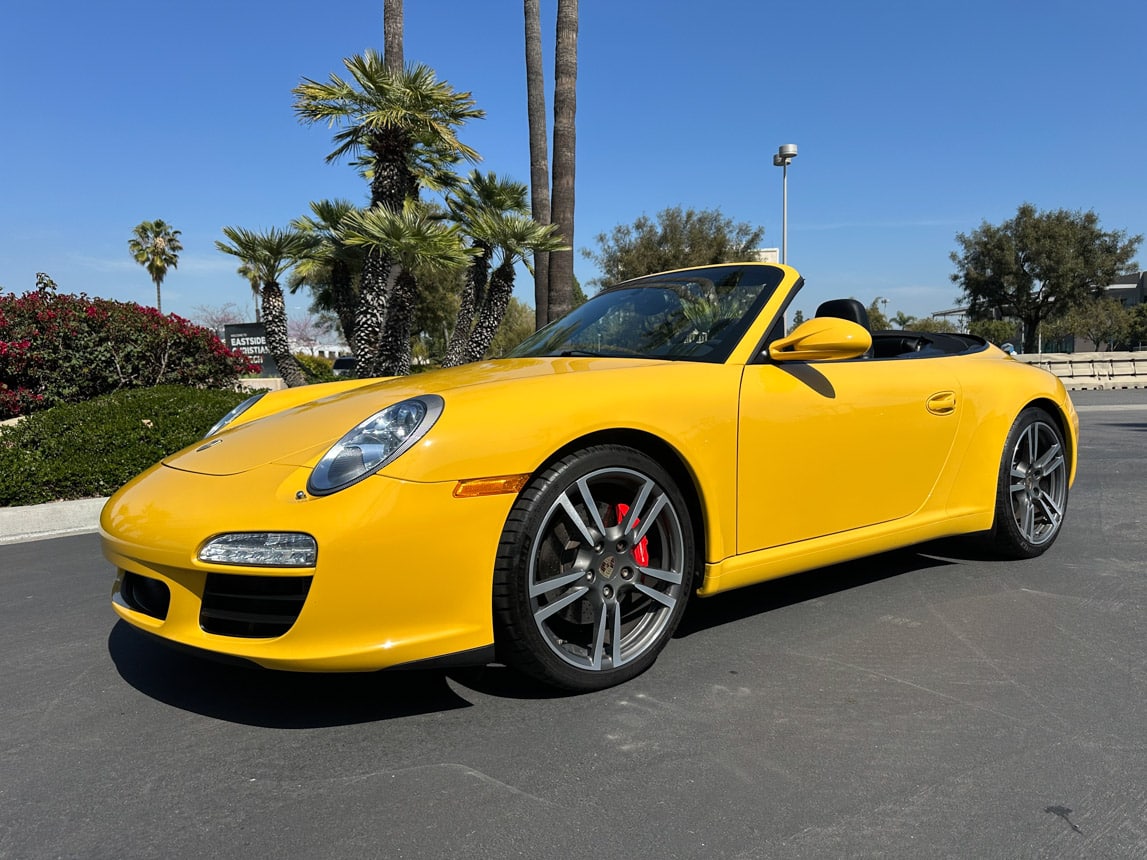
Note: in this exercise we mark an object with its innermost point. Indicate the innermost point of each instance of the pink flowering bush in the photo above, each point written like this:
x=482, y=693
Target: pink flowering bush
x=60, y=348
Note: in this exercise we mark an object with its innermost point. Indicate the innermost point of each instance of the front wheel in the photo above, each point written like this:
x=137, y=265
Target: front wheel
x=1031, y=495
x=594, y=569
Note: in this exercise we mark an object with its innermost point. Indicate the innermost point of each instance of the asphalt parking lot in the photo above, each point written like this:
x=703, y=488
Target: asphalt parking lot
x=931, y=702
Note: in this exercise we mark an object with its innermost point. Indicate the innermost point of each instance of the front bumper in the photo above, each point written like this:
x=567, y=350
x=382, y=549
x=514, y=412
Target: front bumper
x=403, y=573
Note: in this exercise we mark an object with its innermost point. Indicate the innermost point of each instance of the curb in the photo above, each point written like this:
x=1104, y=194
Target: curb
x=51, y=520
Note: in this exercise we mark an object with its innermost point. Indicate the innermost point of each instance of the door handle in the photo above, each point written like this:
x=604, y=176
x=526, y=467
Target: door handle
x=943, y=403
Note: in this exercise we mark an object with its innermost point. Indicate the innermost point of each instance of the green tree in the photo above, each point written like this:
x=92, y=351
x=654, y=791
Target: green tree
x=903, y=320
x=332, y=268
x=1038, y=265
x=512, y=238
x=675, y=239
x=483, y=194
x=493, y=212
x=877, y=321
x=268, y=256
x=1103, y=320
x=401, y=127
x=798, y=318
x=156, y=246
x=415, y=240
x=1136, y=335
x=998, y=332
x=517, y=325
x=252, y=278
x=435, y=314
x=934, y=324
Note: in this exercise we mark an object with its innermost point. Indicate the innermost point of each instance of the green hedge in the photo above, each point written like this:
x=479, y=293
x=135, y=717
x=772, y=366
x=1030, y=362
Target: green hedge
x=83, y=450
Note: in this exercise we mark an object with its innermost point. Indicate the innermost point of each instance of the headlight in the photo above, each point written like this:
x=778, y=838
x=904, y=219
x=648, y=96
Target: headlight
x=261, y=549
x=234, y=413
x=378, y=440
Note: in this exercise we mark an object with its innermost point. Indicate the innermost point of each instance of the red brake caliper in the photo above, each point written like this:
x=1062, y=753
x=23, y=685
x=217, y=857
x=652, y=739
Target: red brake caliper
x=641, y=551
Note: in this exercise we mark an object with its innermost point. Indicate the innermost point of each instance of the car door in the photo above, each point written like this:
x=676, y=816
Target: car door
x=825, y=447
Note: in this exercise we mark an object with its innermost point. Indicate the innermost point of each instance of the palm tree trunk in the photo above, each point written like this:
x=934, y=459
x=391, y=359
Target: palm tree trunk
x=370, y=313
x=394, y=348
x=390, y=185
x=473, y=291
x=392, y=31
x=491, y=312
x=393, y=180
x=539, y=153
x=343, y=299
x=278, y=346
x=562, y=202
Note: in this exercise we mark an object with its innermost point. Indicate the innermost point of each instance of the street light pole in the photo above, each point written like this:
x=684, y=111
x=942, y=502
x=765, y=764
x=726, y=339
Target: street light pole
x=784, y=156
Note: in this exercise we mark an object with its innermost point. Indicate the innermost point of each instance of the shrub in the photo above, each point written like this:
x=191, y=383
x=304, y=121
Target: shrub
x=316, y=369
x=59, y=348
x=82, y=450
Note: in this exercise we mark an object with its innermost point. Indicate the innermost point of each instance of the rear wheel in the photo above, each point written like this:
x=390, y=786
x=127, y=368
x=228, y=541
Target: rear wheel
x=1031, y=496
x=594, y=569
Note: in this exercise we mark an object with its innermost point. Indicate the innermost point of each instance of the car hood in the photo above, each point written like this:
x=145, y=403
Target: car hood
x=301, y=434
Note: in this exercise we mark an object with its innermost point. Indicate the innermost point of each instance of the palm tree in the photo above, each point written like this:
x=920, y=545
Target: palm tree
x=482, y=193
x=479, y=208
x=539, y=152
x=562, y=201
x=332, y=268
x=268, y=256
x=414, y=239
x=156, y=247
x=252, y=277
x=512, y=237
x=389, y=116
x=399, y=126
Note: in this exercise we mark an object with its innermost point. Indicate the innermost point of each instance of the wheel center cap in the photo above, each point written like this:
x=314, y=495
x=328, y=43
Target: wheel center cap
x=607, y=566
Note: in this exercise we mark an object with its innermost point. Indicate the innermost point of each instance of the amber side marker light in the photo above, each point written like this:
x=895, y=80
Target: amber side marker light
x=490, y=486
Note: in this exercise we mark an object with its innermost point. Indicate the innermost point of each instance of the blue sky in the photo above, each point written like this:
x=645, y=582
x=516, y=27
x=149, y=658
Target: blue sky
x=915, y=121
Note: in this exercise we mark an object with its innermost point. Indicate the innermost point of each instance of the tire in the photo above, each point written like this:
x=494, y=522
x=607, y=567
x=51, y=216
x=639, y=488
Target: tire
x=1031, y=493
x=594, y=569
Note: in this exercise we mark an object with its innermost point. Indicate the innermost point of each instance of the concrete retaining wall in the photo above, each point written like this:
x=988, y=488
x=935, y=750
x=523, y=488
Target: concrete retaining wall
x=1083, y=370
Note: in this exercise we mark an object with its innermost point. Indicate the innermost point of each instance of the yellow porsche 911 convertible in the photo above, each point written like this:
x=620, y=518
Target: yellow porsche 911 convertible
x=555, y=510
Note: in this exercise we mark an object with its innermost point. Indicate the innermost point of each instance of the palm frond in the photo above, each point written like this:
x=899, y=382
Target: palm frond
x=412, y=236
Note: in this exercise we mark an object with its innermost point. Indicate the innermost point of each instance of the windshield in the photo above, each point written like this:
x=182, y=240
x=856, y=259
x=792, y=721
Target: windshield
x=693, y=315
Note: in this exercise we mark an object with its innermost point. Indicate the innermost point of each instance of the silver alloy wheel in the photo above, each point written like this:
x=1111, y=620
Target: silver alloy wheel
x=1038, y=483
x=606, y=569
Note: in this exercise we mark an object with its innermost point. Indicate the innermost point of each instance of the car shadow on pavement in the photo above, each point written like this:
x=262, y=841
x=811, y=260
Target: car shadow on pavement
x=271, y=699
x=704, y=614
x=250, y=695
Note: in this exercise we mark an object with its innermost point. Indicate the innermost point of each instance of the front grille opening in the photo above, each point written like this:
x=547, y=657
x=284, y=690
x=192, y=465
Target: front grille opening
x=252, y=607
x=146, y=595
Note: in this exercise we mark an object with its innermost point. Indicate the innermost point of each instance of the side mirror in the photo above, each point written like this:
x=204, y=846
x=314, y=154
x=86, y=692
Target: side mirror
x=822, y=339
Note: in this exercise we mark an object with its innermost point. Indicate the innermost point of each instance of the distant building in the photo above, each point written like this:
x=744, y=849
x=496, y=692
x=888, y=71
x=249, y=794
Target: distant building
x=765, y=255
x=1130, y=290
x=319, y=350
